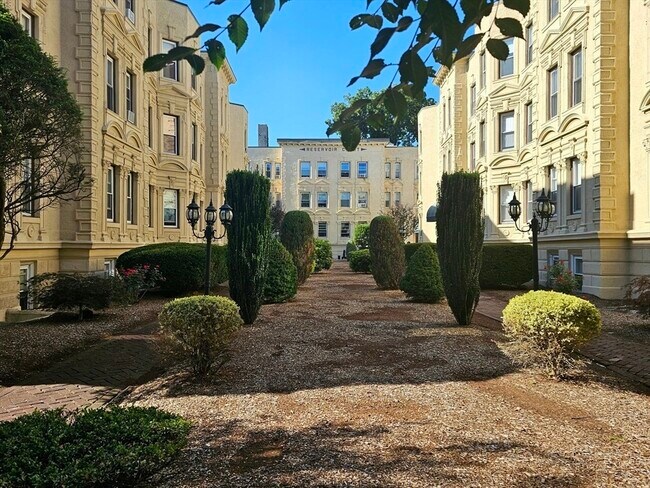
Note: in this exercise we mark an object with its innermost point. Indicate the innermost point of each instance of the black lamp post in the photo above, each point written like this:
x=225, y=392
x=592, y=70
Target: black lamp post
x=545, y=209
x=225, y=216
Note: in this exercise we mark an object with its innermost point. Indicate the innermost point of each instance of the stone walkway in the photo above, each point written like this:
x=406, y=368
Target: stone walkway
x=627, y=358
x=90, y=378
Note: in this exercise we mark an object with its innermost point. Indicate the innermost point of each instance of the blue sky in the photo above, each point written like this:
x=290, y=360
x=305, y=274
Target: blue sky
x=289, y=75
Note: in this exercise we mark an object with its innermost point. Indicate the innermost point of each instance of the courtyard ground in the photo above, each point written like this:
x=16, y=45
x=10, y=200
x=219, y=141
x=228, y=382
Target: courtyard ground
x=352, y=386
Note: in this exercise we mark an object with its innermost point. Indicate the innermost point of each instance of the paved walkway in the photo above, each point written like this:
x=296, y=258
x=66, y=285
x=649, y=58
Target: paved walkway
x=90, y=378
x=627, y=358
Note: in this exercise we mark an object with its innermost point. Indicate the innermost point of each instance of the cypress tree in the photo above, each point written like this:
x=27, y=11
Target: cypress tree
x=460, y=241
x=249, y=238
x=297, y=236
x=387, y=260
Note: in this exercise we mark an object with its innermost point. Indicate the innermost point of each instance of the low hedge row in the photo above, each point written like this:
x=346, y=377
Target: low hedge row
x=504, y=265
x=181, y=264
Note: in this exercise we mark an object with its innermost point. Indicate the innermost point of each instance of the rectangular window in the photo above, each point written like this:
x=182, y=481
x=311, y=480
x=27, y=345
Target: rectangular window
x=552, y=92
x=111, y=99
x=529, y=44
x=529, y=122
x=26, y=274
x=529, y=200
x=193, y=79
x=387, y=199
x=576, y=268
x=398, y=170
x=387, y=170
x=472, y=100
x=444, y=115
x=506, y=193
x=150, y=126
x=483, y=70
x=345, y=229
x=28, y=187
x=576, y=186
x=278, y=172
x=267, y=170
x=472, y=156
x=130, y=97
x=149, y=45
x=398, y=198
x=345, y=199
x=170, y=208
x=321, y=196
x=507, y=66
x=552, y=258
x=362, y=169
x=305, y=169
x=110, y=194
x=305, y=200
x=152, y=204
x=507, y=130
x=345, y=169
x=171, y=70
x=130, y=195
x=28, y=22
x=170, y=134
x=576, y=77
x=362, y=199
x=109, y=267
x=322, y=229
x=195, y=137
x=552, y=184
x=481, y=140
x=553, y=9
x=129, y=6
x=322, y=169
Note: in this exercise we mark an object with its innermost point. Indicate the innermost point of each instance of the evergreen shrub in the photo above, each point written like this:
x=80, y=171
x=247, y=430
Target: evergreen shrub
x=322, y=255
x=281, y=277
x=386, y=253
x=360, y=261
x=422, y=281
x=410, y=249
x=550, y=326
x=361, y=236
x=200, y=328
x=349, y=248
x=506, y=266
x=297, y=236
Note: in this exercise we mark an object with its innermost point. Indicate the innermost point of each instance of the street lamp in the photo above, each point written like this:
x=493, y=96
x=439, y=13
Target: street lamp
x=544, y=209
x=225, y=216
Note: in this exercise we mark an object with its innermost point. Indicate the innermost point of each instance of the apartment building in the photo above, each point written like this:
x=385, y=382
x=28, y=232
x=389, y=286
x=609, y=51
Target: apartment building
x=152, y=141
x=339, y=189
x=567, y=112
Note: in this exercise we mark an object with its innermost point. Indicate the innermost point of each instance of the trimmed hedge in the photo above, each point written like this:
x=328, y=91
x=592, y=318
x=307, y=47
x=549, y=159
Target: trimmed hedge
x=350, y=247
x=423, y=281
x=360, y=261
x=118, y=446
x=181, y=264
x=411, y=248
x=323, y=255
x=386, y=253
x=361, y=236
x=281, y=282
x=297, y=236
x=506, y=266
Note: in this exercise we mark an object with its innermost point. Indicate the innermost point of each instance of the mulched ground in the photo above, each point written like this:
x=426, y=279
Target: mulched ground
x=352, y=386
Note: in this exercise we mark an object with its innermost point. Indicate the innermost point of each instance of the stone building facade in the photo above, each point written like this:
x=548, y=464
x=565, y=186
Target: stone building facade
x=151, y=141
x=568, y=113
x=339, y=189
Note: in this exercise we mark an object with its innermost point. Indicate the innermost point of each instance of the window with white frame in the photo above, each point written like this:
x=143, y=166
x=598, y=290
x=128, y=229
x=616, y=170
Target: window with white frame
x=552, y=184
x=305, y=169
x=345, y=199
x=278, y=171
x=576, y=186
x=170, y=134
x=322, y=229
x=322, y=169
x=170, y=208
x=28, y=187
x=171, y=70
x=29, y=23
x=552, y=258
x=345, y=169
x=362, y=199
x=387, y=170
x=109, y=267
x=111, y=96
x=472, y=155
x=398, y=170
x=110, y=193
x=152, y=204
x=130, y=97
x=26, y=274
x=398, y=197
x=387, y=199
x=305, y=200
x=506, y=192
x=130, y=195
x=195, y=141
x=576, y=77
x=507, y=130
x=529, y=199
x=529, y=43
x=345, y=229
x=576, y=268
x=472, y=99
x=507, y=66
x=362, y=169
x=129, y=6
x=552, y=92
x=481, y=139
x=553, y=9
x=529, y=121
x=321, y=198
x=267, y=169
x=483, y=75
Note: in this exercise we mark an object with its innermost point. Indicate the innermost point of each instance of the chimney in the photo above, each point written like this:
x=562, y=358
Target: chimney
x=262, y=135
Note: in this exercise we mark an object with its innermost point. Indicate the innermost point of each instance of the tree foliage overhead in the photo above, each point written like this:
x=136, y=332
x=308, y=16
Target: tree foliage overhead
x=377, y=121
x=440, y=35
x=40, y=130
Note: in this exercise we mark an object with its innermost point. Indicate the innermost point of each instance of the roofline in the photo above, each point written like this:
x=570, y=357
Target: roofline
x=334, y=140
x=239, y=105
x=264, y=147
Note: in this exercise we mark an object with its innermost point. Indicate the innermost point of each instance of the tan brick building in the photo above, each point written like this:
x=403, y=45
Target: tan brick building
x=151, y=140
x=568, y=112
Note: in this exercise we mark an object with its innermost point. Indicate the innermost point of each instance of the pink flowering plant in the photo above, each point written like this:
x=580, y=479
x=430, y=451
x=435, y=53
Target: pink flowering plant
x=561, y=279
x=139, y=280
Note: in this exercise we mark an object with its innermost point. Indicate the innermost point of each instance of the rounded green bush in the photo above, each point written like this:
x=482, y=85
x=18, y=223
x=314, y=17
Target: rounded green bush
x=181, y=264
x=552, y=325
x=423, y=281
x=410, y=248
x=322, y=255
x=350, y=247
x=297, y=236
x=361, y=236
x=200, y=328
x=360, y=261
x=387, y=260
x=281, y=282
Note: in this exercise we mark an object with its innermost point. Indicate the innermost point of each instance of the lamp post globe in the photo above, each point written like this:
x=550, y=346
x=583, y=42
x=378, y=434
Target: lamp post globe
x=210, y=214
x=225, y=214
x=193, y=213
x=514, y=208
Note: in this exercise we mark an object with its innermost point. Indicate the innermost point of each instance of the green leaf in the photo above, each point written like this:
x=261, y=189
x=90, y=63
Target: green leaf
x=282, y=2
x=404, y=23
x=340, y=125
x=180, y=52
x=237, y=30
x=510, y=27
x=262, y=10
x=373, y=68
x=413, y=70
x=380, y=42
x=390, y=11
x=196, y=62
x=468, y=45
x=521, y=6
x=395, y=102
x=354, y=108
x=498, y=49
x=375, y=120
x=470, y=8
x=216, y=52
x=375, y=21
x=155, y=62
x=204, y=28
x=351, y=137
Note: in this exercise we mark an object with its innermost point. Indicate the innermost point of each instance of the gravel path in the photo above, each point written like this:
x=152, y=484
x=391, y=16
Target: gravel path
x=352, y=386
